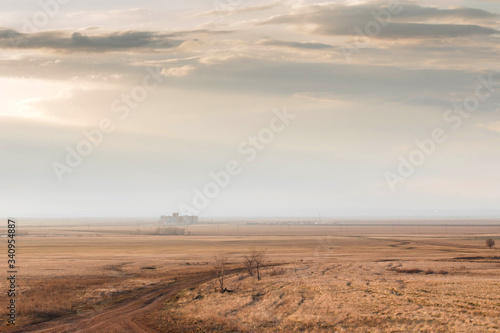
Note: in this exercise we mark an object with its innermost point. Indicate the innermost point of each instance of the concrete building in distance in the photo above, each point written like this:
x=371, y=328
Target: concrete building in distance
x=176, y=219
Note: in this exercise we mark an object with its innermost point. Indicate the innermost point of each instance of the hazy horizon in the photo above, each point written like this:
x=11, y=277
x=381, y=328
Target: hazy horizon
x=392, y=215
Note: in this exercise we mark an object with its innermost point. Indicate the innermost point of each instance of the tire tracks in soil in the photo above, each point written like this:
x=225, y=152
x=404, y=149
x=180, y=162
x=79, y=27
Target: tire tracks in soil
x=123, y=316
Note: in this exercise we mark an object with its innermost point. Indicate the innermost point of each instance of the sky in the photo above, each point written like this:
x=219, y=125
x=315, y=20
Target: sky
x=249, y=108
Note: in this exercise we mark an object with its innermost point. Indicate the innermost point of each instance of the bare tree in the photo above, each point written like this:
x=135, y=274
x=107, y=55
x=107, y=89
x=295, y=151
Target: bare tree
x=248, y=261
x=259, y=259
x=220, y=268
x=490, y=243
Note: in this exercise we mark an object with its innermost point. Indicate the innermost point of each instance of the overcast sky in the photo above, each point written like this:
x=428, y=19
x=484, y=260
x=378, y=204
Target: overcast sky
x=223, y=70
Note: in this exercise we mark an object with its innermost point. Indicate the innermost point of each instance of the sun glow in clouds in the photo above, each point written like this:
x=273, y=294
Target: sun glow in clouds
x=221, y=69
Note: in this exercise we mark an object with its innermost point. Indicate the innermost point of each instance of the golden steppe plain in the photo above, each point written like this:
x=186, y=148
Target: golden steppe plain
x=343, y=277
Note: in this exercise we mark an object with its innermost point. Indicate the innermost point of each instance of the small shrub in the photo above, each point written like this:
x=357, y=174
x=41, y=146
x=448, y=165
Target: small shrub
x=277, y=271
x=405, y=270
x=490, y=243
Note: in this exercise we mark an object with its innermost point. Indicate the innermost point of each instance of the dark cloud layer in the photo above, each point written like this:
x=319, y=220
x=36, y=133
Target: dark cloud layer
x=413, y=11
x=296, y=45
x=411, y=21
x=344, y=81
x=62, y=41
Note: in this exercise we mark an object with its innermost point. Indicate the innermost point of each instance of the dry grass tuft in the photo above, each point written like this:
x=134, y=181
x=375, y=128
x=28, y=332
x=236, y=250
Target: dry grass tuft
x=277, y=270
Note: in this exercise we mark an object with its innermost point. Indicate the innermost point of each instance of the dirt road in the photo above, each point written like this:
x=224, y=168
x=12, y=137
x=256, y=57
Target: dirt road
x=124, y=316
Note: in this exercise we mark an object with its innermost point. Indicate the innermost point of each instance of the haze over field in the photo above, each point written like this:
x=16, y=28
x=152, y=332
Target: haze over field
x=185, y=86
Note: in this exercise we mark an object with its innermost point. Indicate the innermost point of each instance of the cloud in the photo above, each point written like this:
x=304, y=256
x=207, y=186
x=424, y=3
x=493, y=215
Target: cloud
x=415, y=12
x=182, y=33
x=178, y=71
x=236, y=8
x=419, y=30
x=9, y=33
x=413, y=21
x=62, y=41
x=338, y=81
x=295, y=45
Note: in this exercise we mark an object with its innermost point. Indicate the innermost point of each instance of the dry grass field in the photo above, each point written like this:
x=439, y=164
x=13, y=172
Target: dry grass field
x=319, y=279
